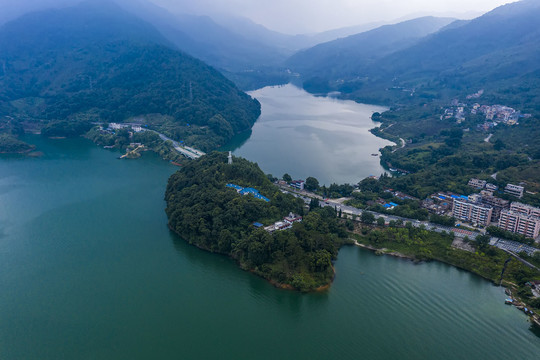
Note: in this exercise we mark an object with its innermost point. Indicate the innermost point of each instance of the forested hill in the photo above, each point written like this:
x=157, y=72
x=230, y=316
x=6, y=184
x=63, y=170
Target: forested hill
x=216, y=218
x=498, y=52
x=96, y=62
x=345, y=57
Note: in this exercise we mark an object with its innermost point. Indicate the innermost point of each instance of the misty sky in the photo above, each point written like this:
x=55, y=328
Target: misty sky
x=299, y=16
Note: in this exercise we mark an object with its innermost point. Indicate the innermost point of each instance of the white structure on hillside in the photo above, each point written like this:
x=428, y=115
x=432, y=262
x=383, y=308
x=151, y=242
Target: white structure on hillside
x=230, y=157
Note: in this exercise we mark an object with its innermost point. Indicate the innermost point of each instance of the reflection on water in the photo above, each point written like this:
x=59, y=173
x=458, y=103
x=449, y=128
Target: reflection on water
x=237, y=141
x=305, y=135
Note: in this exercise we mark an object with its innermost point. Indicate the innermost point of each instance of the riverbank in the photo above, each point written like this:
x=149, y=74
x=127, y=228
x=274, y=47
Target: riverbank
x=487, y=262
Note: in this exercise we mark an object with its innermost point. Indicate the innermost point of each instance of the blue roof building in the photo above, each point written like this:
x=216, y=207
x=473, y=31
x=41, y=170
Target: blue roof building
x=233, y=186
x=246, y=191
x=249, y=191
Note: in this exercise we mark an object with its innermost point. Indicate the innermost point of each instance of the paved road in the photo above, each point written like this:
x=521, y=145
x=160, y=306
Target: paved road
x=506, y=245
x=184, y=150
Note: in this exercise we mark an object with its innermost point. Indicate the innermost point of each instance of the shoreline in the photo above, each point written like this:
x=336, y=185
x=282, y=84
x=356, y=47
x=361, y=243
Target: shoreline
x=273, y=282
x=510, y=290
x=385, y=251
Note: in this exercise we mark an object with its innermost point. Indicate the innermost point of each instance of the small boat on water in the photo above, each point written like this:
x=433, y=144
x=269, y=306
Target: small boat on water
x=374, y=154
x=509, y=301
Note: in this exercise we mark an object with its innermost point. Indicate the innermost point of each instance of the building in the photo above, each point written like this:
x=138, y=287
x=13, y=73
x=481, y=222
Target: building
x=475, y=183
x=516, y=222
x=525, y=209
x=514, y=190
x=285, y=224
x=248, y=191
x=473, y=212
x=496, y=203
x=298, y=184
x=492, y=187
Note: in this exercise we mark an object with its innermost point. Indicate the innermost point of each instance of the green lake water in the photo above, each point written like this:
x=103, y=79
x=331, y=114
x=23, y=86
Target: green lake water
x=304, y=135
x=89, y=270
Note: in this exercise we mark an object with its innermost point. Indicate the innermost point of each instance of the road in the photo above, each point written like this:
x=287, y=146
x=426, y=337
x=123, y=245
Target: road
x=511, y=247
x=184, y=150
x=402, y=145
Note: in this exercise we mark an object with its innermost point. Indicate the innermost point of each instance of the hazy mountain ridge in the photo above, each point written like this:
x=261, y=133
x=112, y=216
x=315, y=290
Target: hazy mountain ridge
x=498, y=51
x=343, y=57
x=99, y=62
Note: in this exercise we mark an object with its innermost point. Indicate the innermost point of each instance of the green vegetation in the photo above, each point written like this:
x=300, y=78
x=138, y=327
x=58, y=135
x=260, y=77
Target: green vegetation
x=442, y=155
x=373, y=194
x=399, y=64
x=9, y=144
x=103, y=72
x=501, y=233
x=421, y=244
x=213, y=217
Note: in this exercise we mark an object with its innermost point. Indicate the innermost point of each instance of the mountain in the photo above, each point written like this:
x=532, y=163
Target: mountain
x=346, y=57
x=95, y=61
x=498, y=52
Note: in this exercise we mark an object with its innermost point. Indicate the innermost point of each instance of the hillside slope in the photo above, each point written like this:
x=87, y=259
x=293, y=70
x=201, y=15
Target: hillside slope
x=348, y=56
x=96, y=62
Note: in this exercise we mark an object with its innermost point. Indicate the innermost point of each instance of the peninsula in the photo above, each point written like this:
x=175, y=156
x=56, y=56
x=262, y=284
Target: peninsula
x=229, y=206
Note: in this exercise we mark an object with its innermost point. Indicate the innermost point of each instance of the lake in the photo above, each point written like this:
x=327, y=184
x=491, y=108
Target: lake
x=304, y=135
x=89, y=270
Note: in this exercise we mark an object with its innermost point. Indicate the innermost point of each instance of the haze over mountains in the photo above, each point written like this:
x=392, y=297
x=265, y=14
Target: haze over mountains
x=115, y=58
x=96, y=62
x=498, y=51
x=343, y=57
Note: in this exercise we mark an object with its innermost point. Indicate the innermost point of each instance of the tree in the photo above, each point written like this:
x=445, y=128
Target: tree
x=380, y=221
x=482, y=241
x=367, y=217
x=312, y=184
x=287, y=177
x=314, y=204
x=499, y=145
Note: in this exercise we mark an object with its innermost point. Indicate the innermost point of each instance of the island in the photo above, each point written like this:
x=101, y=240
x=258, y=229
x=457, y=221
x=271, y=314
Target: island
x=229, y=206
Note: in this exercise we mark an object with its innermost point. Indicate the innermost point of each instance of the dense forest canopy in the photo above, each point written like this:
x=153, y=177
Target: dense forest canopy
x=214, y=217
x=96, y=62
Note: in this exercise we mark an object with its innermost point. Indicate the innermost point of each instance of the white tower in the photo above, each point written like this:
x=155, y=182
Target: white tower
x=230, y=157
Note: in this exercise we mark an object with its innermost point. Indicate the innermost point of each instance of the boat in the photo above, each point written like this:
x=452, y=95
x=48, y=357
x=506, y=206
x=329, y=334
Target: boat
x=374, y=154
x=509, y=301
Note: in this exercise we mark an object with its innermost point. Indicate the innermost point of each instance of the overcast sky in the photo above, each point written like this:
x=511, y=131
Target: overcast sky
x=299, y=16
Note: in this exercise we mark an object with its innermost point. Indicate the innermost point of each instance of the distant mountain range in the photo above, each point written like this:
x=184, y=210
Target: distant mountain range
x=344, y=57
x=498, y=52
x=95, y=61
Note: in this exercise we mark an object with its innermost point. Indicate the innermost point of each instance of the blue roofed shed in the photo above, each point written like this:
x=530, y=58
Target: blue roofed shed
x=233, y=186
